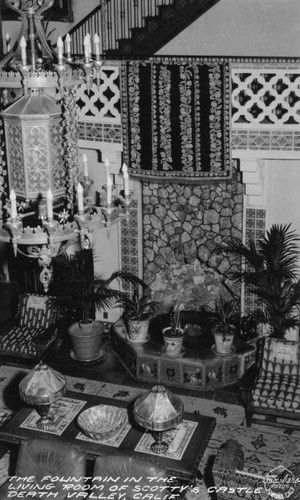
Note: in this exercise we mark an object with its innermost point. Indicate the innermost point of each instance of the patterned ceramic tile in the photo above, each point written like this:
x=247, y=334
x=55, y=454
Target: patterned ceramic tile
x=82, y=385
x=129, y=243
x=265, y=140
x=192, y=375
x=116, y=391
x=255, y=229
x=213, y=375
x=147, y=368
x=170, y=371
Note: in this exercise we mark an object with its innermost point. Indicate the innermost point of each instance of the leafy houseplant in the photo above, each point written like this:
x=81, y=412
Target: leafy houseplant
x=223, y=321
x=138, y=309
x=83, y=292
x=270, y=272
x=173, y=334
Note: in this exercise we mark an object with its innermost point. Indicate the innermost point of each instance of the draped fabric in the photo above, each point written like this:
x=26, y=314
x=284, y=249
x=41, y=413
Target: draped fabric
x=176, y=118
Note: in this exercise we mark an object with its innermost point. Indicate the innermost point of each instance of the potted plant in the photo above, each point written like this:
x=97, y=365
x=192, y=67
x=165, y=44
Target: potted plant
x=270, y=271
x=223, y=321
x=173, y=335
x=83, y=292
x=138, y=309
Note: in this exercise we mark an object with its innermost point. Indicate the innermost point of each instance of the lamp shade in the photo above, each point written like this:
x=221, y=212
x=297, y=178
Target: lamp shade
x=158, y=409
x=42, y=385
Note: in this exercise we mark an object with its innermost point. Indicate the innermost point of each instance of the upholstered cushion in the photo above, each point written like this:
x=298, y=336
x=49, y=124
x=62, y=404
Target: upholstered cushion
x=121, y=467
x=31, y=342
x=42, y=458
x=278, y=384
x=37, y=311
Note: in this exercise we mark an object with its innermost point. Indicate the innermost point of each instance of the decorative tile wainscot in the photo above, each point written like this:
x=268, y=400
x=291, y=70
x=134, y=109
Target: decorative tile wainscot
x=202, y=370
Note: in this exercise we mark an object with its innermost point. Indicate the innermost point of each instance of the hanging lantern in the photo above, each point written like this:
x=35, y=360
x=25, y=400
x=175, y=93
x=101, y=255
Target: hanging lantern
x=33, y=133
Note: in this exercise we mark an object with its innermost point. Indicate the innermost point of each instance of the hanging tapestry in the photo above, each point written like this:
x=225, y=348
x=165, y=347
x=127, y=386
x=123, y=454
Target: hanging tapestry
x=176, y=118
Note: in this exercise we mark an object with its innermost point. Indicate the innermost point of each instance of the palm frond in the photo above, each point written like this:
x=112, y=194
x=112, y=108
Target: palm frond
x=270, y=269
x=88, y=292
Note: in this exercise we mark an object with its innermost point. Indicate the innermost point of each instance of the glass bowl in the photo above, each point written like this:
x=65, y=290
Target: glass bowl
x=102, y=421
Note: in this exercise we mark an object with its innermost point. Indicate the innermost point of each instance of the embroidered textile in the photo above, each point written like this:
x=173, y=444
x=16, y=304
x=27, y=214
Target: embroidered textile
x=176, y=118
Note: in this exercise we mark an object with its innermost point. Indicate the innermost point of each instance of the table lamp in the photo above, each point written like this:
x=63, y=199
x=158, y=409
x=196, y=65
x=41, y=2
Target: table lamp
x=41, y=387
x=158, y=410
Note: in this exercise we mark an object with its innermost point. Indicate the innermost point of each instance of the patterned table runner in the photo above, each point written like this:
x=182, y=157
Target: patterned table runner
x=63, y=411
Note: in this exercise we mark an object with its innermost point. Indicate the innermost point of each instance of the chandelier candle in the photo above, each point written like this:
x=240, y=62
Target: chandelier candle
x=23, y=46
x=80, y=199
x=68, y=46
x=60, y=51
x=50, y=206
x=97, y=47
x=109, y=184
x=87, y=47
x=107, y=171
x=85, y=167
x=13, y=205
x=126, y=180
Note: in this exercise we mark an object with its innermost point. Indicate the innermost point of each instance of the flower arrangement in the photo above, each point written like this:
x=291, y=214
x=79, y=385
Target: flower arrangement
x=191, y=286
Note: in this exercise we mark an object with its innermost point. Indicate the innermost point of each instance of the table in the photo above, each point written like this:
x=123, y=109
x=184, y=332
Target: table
x=187, y=442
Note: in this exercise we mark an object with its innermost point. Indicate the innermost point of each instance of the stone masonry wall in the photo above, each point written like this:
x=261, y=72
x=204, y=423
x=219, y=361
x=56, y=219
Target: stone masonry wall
x=185, y=222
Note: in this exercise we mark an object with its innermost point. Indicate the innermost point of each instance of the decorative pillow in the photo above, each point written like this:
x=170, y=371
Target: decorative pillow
x=30, y=342
x=280, y=352
x=37, y=311
x=277, y=384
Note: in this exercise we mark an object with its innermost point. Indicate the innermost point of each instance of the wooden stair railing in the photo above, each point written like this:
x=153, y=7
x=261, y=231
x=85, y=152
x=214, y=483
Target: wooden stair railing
x=134, y=28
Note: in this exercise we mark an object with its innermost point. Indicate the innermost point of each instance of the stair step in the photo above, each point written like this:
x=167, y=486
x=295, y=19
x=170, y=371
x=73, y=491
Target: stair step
x=156, y=30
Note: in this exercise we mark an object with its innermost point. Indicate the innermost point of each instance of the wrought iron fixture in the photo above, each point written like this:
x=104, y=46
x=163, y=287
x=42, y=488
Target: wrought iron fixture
x=45, y=199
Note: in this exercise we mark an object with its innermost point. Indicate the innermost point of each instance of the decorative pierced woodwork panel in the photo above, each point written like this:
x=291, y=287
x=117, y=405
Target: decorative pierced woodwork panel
x=100, y=103
x=265, y=107
x=13, y=136
x=102, y=132
x=36, y=157
x=265, y=140
x=266, y=96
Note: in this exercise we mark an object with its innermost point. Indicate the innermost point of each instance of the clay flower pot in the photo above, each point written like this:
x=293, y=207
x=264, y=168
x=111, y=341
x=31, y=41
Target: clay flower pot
x=86, y=340
x=172, y=342
x=138, y=330
x=223, y=342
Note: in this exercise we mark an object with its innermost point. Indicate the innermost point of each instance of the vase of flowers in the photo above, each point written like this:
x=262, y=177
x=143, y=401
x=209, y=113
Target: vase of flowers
x=173, y=336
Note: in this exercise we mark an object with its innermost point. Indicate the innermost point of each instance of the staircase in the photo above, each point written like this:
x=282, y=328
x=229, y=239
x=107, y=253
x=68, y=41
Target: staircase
x=136, y=28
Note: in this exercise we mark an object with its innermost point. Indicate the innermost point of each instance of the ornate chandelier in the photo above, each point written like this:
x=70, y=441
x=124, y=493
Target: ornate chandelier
x=45, y=203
